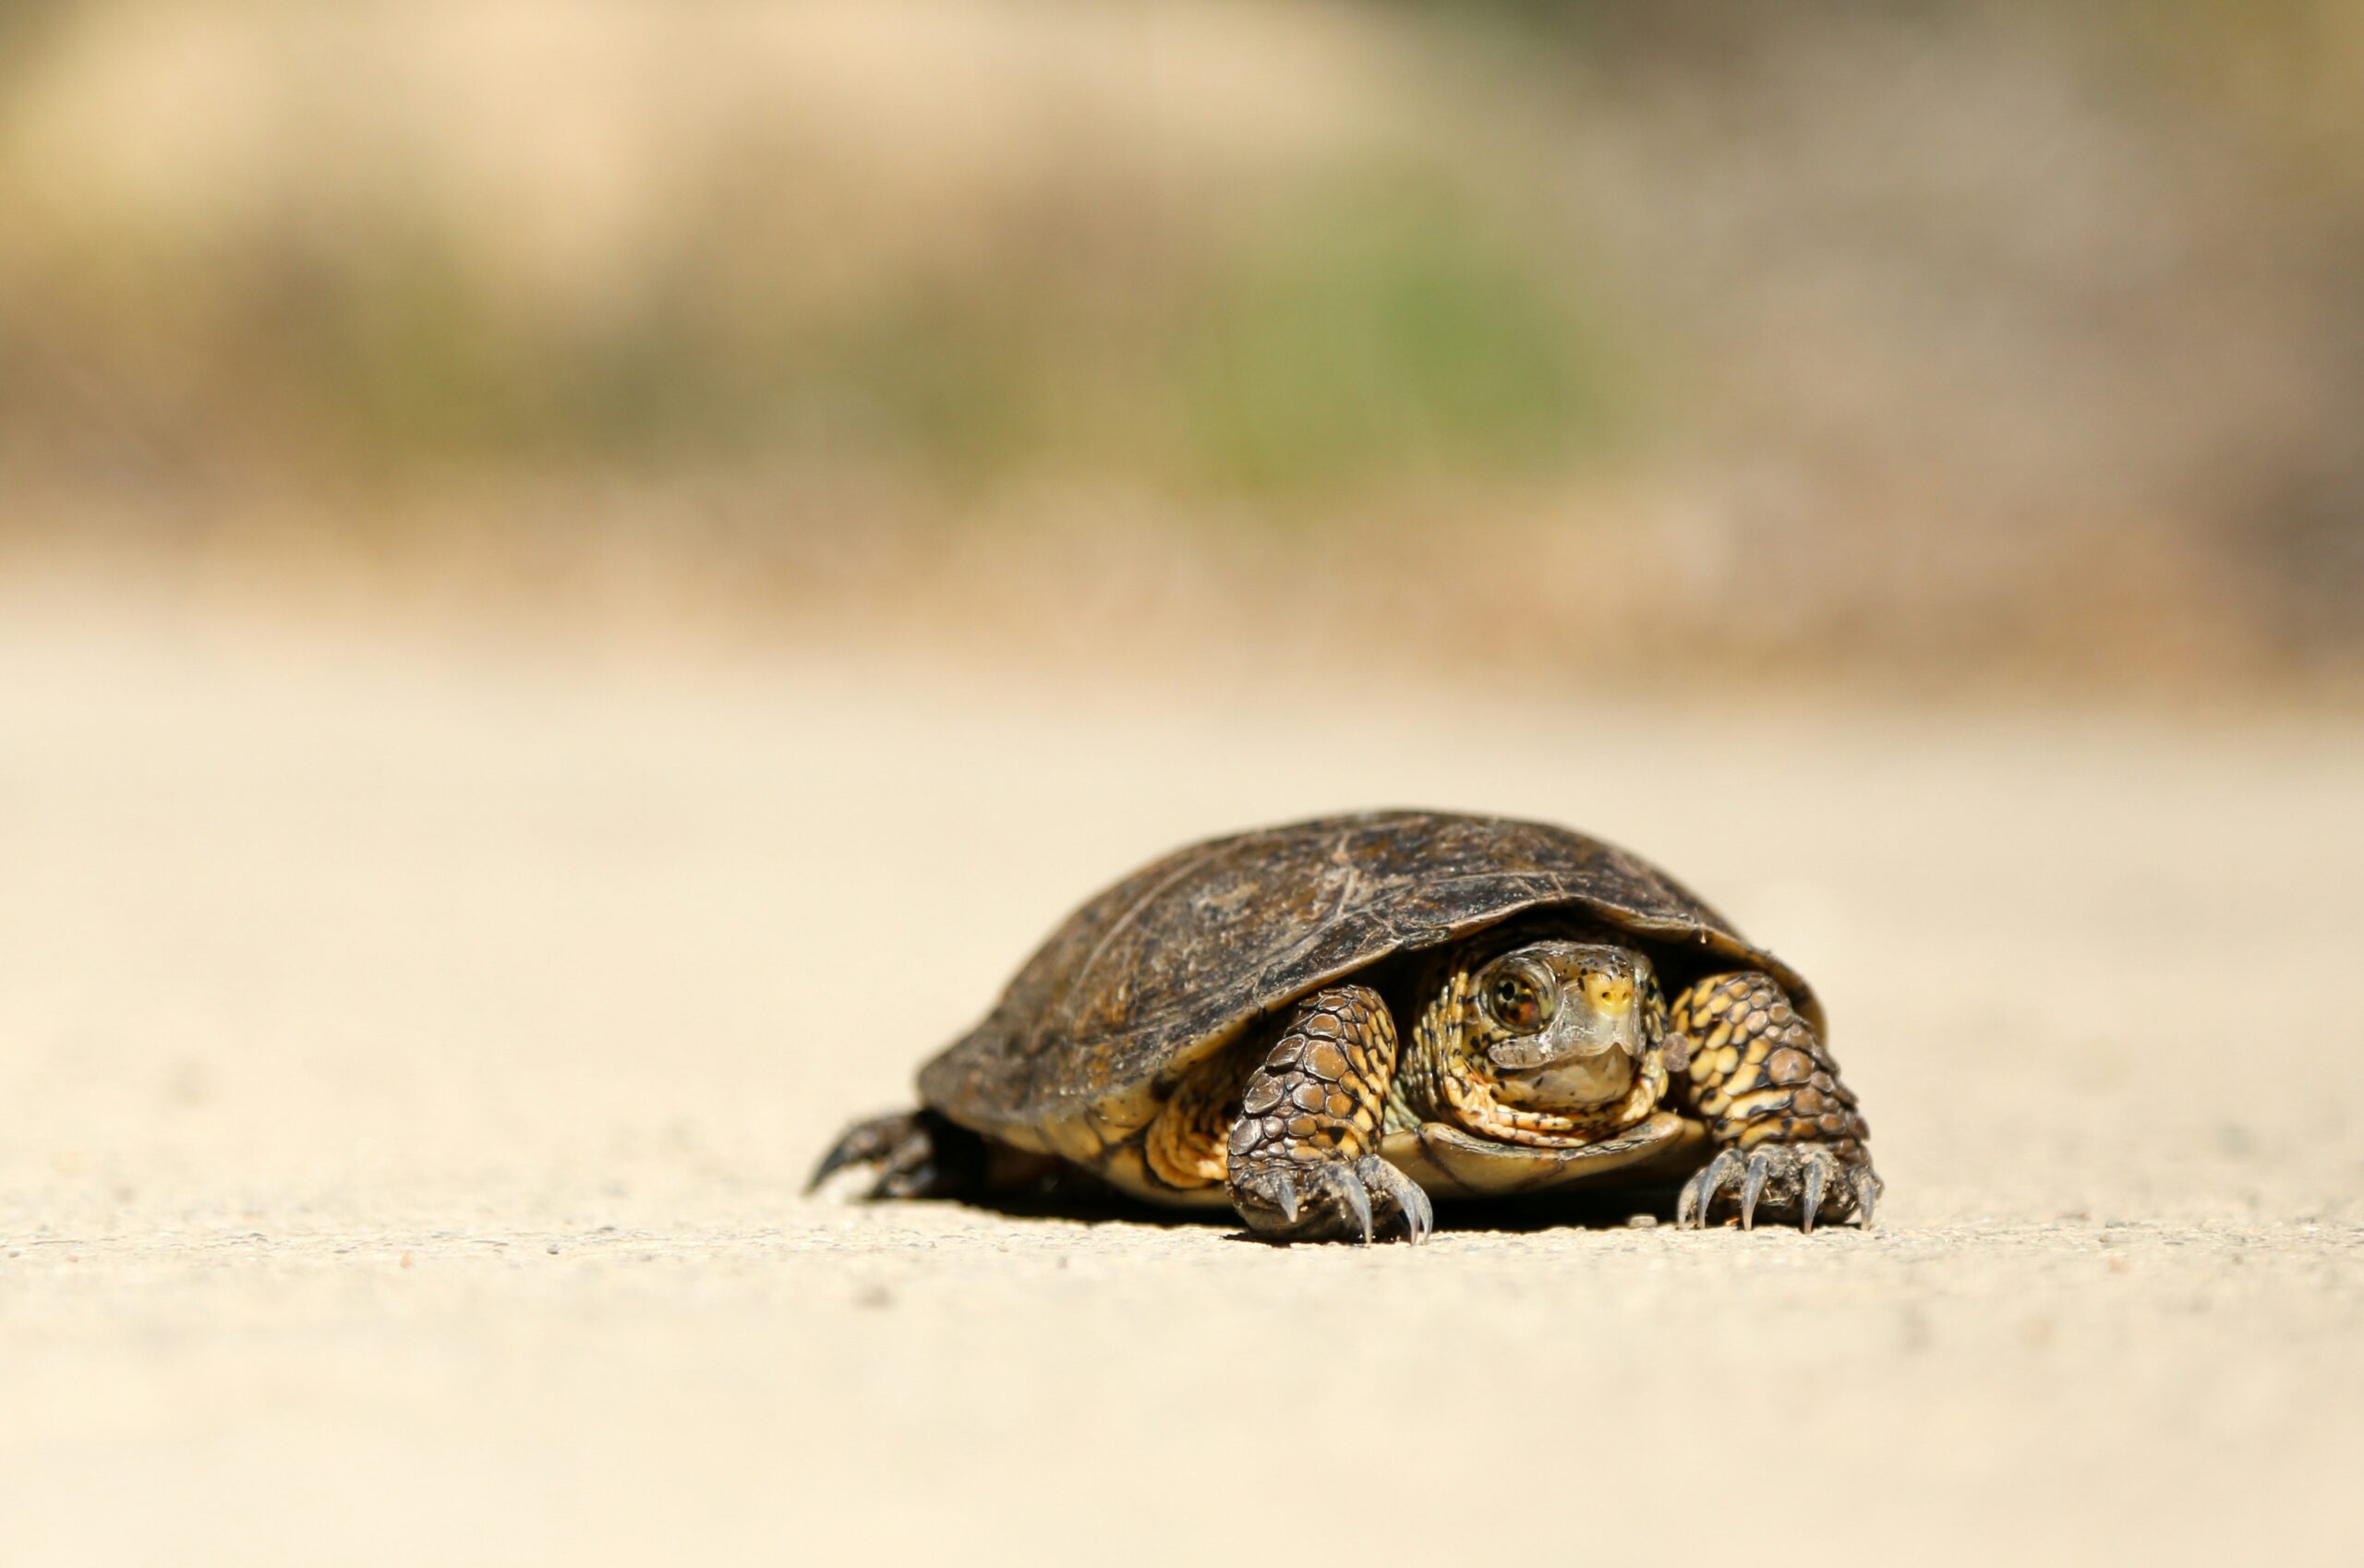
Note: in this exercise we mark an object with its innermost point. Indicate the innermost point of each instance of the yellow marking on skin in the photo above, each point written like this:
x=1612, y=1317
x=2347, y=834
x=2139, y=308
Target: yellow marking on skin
x=1178, y=1159
x=1727, y=1060
x=1548, y=1129
x=1755, y=1132
x=1188, y=1144
x=1723, y=1032
x=1609, y=992
x=1762, y=1101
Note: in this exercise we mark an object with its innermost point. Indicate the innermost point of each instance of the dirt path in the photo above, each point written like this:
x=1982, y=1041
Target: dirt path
x=408, y=1061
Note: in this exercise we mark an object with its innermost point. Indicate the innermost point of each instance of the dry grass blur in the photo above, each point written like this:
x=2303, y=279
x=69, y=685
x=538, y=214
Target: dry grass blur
x=1850, y=341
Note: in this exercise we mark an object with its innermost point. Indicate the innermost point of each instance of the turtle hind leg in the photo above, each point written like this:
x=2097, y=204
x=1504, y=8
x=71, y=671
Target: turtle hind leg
x=1303, y=1165
x=915, y=1153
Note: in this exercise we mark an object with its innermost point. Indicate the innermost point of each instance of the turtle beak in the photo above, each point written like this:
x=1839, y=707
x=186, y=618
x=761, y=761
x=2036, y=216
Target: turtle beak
x=1606, y=1021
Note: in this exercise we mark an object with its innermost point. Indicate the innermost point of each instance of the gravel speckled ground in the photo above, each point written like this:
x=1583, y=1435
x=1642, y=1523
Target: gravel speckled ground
x=409, y=1059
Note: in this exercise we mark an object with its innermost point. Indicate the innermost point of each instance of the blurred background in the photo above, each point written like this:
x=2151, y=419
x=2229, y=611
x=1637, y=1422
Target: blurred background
x=581, y=580
x=2007, y=344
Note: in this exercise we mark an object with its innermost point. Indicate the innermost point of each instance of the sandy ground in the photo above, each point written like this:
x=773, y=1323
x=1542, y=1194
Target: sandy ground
x=411, y=1049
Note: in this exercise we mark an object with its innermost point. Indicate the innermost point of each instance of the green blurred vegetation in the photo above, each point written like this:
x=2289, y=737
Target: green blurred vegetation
x=1388, y=333
x=1388, y=326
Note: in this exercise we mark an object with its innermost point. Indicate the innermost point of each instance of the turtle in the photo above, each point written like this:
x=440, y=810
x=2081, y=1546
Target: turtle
x=1321, y=1025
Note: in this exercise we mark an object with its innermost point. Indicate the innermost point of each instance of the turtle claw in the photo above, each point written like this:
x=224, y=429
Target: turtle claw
x=1809, y=1181
x=1752, y=1188
x=1699, y=1192
x=1268, y=1201
x=1333, y=1201
x=1401, y=1194
x=908, y=1150
x=1868, y=1187
x=1348, y=1191
x=887, y=1142
x=1286, y=1198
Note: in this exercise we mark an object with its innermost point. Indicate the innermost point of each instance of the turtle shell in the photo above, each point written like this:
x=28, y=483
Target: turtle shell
x=1171, y=964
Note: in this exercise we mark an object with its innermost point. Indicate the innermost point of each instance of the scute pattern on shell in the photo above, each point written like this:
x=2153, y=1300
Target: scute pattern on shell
x=1169, y=964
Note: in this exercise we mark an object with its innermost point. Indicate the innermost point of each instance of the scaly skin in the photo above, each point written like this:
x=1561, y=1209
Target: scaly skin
x=1789, y=1136
x=1302, y=1160
x=1185, y=1148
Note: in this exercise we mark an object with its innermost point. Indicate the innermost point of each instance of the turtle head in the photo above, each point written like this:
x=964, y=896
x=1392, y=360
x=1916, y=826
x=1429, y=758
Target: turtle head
x=1564, y=1024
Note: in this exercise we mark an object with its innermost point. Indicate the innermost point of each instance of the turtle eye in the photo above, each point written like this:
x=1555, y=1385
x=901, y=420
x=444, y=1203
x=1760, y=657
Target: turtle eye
x=1519, y=995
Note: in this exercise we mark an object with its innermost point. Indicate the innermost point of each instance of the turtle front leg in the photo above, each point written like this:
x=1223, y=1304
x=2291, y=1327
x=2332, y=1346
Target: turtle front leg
x=1303, y=1163
x=1790, y=1141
